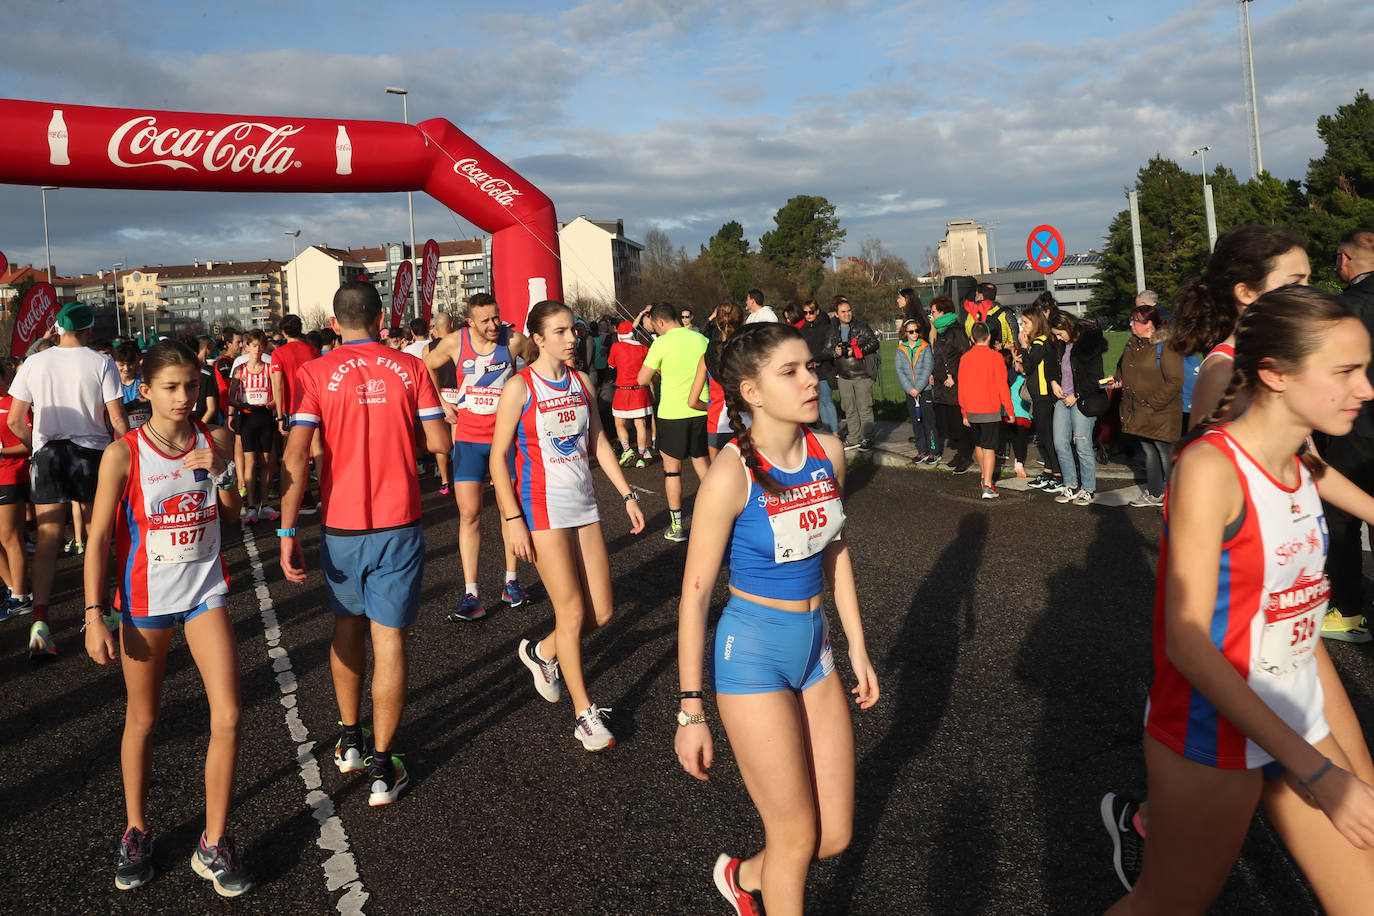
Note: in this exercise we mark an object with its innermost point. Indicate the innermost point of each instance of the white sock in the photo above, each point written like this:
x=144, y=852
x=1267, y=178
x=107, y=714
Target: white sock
x=510, y=575
x=470, y=589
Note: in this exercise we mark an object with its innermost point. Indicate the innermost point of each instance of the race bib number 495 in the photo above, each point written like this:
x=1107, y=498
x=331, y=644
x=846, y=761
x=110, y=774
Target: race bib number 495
x=804, y=519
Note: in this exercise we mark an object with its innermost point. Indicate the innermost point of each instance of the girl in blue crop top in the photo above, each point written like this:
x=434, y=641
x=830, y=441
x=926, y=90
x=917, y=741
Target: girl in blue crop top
x=772, y=502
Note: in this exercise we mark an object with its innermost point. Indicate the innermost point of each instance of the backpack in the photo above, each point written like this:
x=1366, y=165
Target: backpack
x=1191, y=364
x=873, y=364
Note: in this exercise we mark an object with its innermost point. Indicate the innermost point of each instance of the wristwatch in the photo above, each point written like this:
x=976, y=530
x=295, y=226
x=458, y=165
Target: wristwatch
x=683, y=720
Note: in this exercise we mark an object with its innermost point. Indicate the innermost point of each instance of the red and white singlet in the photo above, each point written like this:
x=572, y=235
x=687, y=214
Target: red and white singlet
x=481, y=379
x=1271, y=597
x=167, y=538
x=255, y=388
x=717, y=417
x=552, y=476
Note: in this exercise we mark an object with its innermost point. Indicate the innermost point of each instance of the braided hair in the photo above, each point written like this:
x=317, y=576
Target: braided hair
x=1281, y=330
x=741, y=357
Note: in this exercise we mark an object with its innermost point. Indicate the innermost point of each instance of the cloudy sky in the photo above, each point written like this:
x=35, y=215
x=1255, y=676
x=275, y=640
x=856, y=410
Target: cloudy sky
x=684, y=115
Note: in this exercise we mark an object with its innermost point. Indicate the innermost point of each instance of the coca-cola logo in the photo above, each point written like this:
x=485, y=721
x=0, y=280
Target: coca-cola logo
x=430, y=273
x=36, y=314
x=498, y=189
x=139, y=142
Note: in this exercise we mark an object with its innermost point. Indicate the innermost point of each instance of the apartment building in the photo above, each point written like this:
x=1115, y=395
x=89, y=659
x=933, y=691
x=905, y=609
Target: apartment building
x=600, y=265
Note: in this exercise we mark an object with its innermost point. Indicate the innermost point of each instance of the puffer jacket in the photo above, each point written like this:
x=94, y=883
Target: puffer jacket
x=1151, y=374
x=947, y=348
x=913, y=366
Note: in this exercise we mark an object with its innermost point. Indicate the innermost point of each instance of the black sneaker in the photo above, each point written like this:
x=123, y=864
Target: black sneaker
x=961, y=468
x=135, y=867
x=1039, y=483
x=387, y=775
x=351, y=749
x=220, y=864
x=1128, y=846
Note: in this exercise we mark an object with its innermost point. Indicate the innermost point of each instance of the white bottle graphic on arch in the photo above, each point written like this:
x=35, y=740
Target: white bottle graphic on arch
x=57, y=139
x=343, y=153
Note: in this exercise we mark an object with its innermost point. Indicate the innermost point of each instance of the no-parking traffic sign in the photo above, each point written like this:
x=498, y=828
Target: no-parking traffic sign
x=1045, y=249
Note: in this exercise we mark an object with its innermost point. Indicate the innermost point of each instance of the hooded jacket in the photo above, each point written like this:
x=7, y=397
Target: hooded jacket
x=1151, y=374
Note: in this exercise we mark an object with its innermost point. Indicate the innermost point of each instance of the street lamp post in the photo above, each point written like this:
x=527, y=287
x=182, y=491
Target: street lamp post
x=295, y=268
x=410, y=204
x=46, y=247
x=1207, y=202
x=114, y=285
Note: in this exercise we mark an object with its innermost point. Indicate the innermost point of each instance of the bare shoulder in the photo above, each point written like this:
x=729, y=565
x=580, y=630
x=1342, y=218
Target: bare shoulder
x=223, y=439
x=834, y=450
x=1204, y=482
x=726, y=484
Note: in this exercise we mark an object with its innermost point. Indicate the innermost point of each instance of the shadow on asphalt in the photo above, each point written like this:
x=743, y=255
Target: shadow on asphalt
x=922, y=662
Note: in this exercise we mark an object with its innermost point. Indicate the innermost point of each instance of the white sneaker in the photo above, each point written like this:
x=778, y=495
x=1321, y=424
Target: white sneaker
x=1083, y=497
x=591, y=729
x=1145, y=500
x=268, y=514
x=250, y=516
x=1066, y=495
x=547, y=680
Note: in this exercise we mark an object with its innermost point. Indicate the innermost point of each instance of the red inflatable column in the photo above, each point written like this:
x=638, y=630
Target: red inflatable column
x=488, y=193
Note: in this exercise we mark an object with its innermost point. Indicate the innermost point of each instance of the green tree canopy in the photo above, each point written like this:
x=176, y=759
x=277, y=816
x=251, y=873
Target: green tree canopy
x=728, y=252
x=808, y=232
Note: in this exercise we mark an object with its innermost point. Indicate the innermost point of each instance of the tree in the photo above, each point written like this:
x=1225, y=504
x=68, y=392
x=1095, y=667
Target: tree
x=808, y=232
x=880, y=267
x=658, y=256
x=728, y=252
x=1340, y=185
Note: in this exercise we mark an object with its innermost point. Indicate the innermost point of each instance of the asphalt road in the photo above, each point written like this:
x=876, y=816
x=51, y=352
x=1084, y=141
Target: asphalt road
x=1012, y=645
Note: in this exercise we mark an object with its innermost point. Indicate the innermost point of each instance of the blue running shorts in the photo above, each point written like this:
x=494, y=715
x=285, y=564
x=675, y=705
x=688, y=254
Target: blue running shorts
x=470, y=461
x=165, y=621
x=376, y=575
x=759, y=649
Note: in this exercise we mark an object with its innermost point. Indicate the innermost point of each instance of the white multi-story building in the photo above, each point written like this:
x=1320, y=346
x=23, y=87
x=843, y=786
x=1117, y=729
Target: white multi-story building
x=317, y=272
x=600, y=265
x=1019, y=284
x=964, y=249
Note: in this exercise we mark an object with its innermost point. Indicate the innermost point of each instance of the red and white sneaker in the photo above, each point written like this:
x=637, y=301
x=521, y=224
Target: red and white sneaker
x=746, y=903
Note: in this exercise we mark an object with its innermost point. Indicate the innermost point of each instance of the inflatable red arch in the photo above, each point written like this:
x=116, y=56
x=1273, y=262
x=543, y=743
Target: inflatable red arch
x=80, y=146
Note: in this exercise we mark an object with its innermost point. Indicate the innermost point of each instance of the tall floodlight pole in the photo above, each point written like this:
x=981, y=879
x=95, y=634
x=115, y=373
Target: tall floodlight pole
x=46, y=247
x=114, y=285
x=1135, y=241
x=1251, y=99
x=992, y=244
x=410, y=205
x=1207, y=203
x=295, y=268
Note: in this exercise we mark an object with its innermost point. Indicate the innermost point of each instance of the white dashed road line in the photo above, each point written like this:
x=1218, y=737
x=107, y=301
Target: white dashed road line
x=341, y=868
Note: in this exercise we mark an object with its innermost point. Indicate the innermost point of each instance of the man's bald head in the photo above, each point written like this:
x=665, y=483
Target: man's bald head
x=1355, y=254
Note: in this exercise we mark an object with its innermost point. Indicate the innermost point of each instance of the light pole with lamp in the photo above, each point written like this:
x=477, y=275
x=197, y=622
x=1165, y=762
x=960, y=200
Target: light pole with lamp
x=295, y=234
x=46, y=247
x=410, y=204
x=1207, y=199
x=114, y=285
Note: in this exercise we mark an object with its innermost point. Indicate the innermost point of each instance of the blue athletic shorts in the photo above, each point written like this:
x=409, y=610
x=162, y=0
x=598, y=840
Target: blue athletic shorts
x=164, y=621
x=759, y=649
x=470, y=461
x=376, y=575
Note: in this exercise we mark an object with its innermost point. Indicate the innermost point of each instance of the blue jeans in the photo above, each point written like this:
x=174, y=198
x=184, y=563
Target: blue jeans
x=1073, y=434
x=830, y=418
x=922, y=415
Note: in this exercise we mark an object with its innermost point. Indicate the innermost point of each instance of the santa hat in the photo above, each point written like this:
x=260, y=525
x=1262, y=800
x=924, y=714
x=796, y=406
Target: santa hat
x=625, y=331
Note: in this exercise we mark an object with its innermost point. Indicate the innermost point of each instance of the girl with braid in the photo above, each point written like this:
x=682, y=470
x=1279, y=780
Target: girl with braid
x=771, y=506
x=1246, y=706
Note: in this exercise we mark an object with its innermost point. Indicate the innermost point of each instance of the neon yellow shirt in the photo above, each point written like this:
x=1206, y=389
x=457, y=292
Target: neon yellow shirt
x=675, y=355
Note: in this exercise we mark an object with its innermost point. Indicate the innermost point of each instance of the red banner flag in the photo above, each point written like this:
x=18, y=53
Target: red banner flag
x=429, y=275
x=5, y=264
x=35, y=318
x=400, y=292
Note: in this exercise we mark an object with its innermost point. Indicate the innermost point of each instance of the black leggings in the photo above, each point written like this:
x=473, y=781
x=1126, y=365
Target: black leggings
x=951, y=421
x=1042, y=420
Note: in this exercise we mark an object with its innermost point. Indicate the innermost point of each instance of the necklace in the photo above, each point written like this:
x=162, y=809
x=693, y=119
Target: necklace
x=167, y=445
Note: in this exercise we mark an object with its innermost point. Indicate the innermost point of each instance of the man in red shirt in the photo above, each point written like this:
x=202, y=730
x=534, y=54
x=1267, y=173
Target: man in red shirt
x=281, y=372
x=365, y=399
